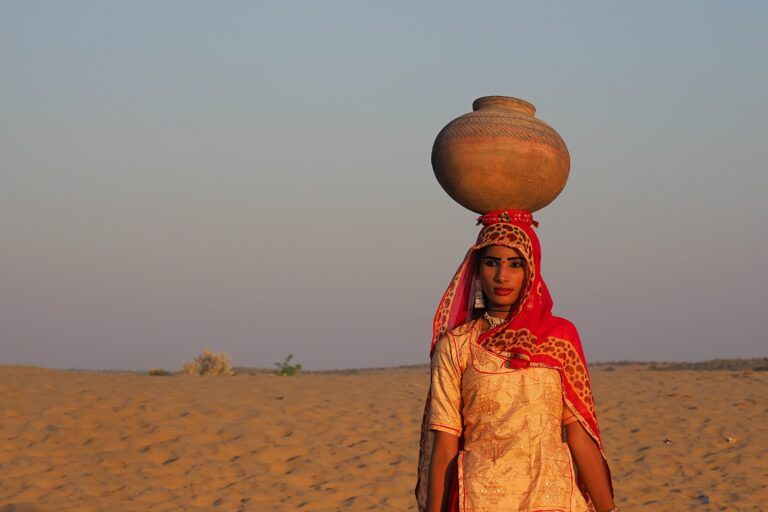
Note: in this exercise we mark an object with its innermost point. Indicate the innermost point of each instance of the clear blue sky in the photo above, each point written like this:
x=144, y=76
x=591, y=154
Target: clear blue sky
x=255, y=176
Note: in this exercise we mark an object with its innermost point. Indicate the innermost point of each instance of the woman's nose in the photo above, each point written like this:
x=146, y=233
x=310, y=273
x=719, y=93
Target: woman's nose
x=501, y=276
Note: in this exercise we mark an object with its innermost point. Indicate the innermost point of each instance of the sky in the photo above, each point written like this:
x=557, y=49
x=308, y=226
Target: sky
x=255, y=177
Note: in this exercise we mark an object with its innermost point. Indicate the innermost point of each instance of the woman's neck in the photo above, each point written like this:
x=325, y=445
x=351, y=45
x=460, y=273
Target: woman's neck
x=498, y=313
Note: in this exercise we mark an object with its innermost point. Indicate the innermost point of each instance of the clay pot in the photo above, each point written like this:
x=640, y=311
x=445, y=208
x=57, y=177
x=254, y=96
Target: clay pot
x=500, y=157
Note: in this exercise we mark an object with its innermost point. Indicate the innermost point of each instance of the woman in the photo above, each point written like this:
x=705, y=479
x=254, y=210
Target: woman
x=509, y=382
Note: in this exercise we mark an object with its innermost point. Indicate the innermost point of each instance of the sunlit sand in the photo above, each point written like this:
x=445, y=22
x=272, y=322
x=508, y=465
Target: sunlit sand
x=89, y=441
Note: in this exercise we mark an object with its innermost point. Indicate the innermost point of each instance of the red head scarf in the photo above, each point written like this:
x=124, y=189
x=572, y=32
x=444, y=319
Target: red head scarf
x=531, y=336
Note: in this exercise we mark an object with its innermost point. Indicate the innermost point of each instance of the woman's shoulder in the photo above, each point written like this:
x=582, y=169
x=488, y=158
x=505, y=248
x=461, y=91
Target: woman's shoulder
x=563, y=330
x=456, y=342
x=467, y=328
x=559, y=327
x=465, y=333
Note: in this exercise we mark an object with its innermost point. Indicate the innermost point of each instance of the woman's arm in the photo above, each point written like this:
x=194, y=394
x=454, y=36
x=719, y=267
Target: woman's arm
x=441, y=467
x=592, y=470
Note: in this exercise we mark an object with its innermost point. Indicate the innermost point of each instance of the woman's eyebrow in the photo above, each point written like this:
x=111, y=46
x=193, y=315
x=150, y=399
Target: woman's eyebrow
x=494, y=258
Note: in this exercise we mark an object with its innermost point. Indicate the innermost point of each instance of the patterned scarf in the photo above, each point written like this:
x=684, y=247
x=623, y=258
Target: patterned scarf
x=531, y=336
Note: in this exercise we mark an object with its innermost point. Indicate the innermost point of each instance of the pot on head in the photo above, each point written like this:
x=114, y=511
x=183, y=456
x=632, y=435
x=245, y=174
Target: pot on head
x=500, y=157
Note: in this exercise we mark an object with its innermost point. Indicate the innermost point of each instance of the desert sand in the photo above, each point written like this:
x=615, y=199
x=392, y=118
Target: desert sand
x=97, y=441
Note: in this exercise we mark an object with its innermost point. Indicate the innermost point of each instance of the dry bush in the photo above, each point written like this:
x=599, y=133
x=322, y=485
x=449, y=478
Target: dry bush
x=160, y=372
x=209, y=363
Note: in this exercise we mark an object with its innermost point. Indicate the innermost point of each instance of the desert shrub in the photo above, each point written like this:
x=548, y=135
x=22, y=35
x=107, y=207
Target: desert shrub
x=209, y=363
x=286, y=369
x=159, y=372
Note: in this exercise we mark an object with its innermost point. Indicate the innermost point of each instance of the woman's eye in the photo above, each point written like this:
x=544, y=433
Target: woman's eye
x=491, y=263
x=516, y=264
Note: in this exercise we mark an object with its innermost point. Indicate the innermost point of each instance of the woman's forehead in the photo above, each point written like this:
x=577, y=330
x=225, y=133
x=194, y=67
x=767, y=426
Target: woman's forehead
x=500, y=252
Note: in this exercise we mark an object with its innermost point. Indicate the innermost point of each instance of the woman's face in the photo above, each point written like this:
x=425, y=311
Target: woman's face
x=502, y=275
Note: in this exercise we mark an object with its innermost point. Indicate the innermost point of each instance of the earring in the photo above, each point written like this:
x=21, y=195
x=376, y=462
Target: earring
x=479, y=299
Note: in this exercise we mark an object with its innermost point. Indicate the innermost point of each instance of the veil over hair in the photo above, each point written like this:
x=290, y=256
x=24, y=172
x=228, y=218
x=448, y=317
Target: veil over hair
x=531, y=336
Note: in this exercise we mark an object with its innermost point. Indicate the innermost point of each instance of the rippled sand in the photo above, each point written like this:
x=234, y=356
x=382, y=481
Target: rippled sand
x=676, y=440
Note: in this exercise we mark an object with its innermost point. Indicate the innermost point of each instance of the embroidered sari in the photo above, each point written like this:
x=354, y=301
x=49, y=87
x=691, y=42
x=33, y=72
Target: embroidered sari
x=530, y=344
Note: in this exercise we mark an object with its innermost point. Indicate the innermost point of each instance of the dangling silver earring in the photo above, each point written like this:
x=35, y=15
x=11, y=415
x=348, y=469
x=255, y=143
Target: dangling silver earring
x=479, y=299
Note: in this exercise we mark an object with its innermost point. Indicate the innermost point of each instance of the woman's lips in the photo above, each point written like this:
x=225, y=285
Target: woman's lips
x=502, y=291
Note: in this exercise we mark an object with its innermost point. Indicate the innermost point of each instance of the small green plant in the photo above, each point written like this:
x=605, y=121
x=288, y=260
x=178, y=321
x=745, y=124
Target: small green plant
x=159, y=372
x=209, y=363
x=286, y=369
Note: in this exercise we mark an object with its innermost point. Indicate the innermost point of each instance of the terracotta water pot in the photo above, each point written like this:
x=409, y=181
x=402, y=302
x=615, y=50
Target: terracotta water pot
x=500, y=157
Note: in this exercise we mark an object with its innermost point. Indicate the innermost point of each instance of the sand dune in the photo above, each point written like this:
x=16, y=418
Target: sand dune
x=89, y=441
